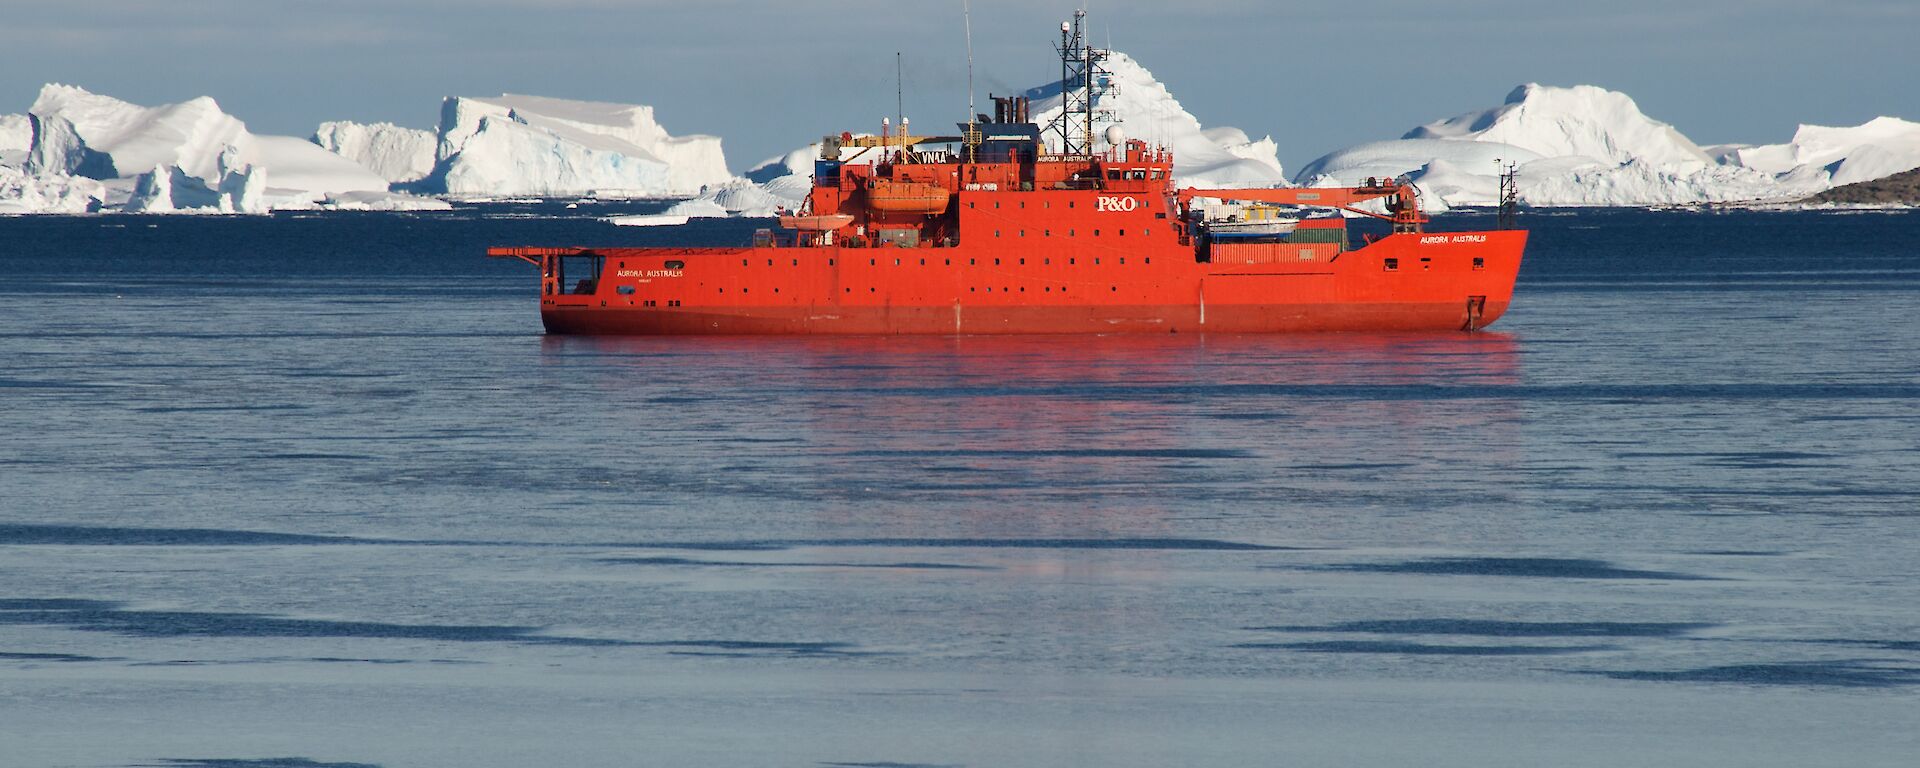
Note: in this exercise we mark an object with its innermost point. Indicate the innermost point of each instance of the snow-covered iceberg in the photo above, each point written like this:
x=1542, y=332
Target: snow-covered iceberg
x=398, y=154
x=531, y=145
x=1589, y=146
x=101, y=137
x=16, y=137
x=1876, y=149
x=22, y=192
x=1392, y=159
x=190, y=156
x=1581, y=121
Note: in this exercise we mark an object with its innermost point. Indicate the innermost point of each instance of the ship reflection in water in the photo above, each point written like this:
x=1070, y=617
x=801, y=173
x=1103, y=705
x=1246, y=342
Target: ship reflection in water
x=915, y=437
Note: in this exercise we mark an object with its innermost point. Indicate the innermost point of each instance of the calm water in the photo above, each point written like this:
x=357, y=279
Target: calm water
x=315, y=491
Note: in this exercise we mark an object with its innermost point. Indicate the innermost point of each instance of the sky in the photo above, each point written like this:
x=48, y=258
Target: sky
x=771, y=76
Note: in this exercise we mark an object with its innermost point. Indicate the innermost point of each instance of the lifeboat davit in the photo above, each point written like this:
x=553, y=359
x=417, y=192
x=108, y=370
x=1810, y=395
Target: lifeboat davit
x=906, y=197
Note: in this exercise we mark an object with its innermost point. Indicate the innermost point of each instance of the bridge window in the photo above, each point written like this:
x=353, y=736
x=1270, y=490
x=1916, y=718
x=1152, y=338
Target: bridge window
x=584, y=272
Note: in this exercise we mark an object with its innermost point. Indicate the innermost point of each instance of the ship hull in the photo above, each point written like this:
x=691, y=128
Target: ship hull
x=1412, y=282
x=1165, y=318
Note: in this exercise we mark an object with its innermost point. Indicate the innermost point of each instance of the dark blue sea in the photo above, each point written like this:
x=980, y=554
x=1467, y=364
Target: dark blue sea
x=314, y=491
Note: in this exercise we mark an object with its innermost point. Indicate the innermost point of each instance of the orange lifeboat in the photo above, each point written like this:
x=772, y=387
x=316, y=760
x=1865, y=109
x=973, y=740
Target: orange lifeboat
x=816, y=223
x=906, y=197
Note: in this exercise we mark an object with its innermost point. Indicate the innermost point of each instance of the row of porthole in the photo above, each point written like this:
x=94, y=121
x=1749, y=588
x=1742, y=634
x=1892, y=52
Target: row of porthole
x=1071, y=260
x=1148, y=232
x=1023, y=204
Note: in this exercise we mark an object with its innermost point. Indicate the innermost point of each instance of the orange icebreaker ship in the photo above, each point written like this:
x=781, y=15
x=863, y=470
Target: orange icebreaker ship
x=994, y=231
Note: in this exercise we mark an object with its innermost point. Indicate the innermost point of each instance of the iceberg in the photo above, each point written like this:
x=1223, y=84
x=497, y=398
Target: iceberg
x=184, y=157
x=21, y=192
x=16, y=137
x=1392, y=159
x=531, y=145
x=398, y=154
x=1583, y=121
x=1876, y=149
x=1587, y=146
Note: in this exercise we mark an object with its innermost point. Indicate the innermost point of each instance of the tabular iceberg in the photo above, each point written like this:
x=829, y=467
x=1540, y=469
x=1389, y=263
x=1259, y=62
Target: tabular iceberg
x=530, y=145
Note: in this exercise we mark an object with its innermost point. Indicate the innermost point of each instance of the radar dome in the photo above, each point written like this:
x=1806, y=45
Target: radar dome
x=1115, y=136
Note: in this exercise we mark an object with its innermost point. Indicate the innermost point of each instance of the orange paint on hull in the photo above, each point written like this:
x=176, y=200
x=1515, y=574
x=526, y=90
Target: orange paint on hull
x=1433, y=282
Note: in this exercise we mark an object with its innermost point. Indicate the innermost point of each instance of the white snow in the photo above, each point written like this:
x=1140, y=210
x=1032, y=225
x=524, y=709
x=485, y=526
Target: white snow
x=398, y=154
x=531, y=145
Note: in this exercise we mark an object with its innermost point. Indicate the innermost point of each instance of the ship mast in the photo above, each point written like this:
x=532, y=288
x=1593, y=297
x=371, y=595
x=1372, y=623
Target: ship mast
x=1083, y=80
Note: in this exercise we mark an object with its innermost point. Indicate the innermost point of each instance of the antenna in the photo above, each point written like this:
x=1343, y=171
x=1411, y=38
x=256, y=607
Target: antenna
x=967, y=13
x=900, y=98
